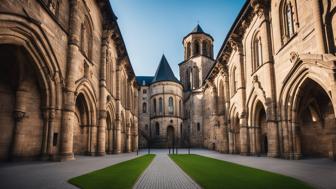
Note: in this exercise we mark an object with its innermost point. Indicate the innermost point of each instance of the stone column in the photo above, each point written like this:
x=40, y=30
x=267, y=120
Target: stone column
x=318, y=26
x=110, y=141
x=297, y=141
x=243, y=135
x=136, y=136
x=128, y=137
x=117, y=138
x=69, y=96
x=102, y=93
x=252, y=140
x=273, y=138
x=44, y=151
x=52, y=116
x=225, y=139
x=231, y=142
x=20, y=113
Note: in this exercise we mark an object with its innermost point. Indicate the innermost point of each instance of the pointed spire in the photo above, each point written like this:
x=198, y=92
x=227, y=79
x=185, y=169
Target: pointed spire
x=164, y=72
x=197, y=29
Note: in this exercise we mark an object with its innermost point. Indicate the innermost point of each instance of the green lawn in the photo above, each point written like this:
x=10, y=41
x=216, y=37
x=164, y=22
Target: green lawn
x=120, y=176
x=213, y=173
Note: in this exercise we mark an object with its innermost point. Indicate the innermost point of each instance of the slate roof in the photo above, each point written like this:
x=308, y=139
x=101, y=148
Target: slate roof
x=197, y=29
x=164, y=72
x=144, y=80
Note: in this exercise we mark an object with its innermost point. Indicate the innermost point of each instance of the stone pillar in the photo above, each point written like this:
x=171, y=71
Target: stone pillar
x=243, y=135
x=225, y=139
x=285, y=135
x=52, y=122
x=117, y=138
x=69, y=96
x=273, y=143
x=101, y=133
x=231, y=142
x=102, y=93
x=318, y=26
x=19, y=115
x=44, y=151
x=136, y=137
x=257, y=146
x=252, y=133
x=128, y=137
x=297, y=141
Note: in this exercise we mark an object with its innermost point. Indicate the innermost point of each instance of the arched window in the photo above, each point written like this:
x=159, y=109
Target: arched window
x=257, y=52
x=198, y=127
x=188, y=50
x=205, y=48
x=221, y=101
x=234, y=80
x=187, y=83
x=154, y=106
x=144, y=107
x=157, y=128
x=287, y=20
x=160, y=105
x=171, y=105
x=180, y=108
x=196, y=48
x=86, y=38
x=196, y=77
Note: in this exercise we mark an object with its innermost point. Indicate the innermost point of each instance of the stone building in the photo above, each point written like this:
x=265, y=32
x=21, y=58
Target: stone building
x=66, y=83
x=198, y=60
x=160, y=108
x=271, y=90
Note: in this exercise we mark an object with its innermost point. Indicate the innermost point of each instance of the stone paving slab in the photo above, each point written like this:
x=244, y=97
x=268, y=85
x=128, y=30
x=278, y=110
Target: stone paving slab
x=53, y=175
x=163, y=173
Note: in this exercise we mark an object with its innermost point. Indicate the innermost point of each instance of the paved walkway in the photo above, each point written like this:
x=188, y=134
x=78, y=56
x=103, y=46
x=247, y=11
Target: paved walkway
x=53, y=175
x=163, y=173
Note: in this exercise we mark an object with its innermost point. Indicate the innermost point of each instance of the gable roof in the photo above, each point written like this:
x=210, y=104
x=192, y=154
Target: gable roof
x=164, y=72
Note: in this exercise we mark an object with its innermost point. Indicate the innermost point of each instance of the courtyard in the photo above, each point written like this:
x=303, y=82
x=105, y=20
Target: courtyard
x=161, y=173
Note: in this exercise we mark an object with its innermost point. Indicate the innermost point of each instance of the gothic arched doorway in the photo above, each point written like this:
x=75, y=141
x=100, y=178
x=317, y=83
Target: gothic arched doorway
x=236, y=134
x=21, y=99
x=170, y=136
x=109, y=134
x=316, y=120
x=261, y=130
x=81, y=126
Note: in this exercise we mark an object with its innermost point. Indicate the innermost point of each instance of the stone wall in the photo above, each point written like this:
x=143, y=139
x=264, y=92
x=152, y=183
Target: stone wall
x=68, y=65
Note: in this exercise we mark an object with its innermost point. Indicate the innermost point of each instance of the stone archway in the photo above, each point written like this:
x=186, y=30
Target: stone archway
x=170, y=136
x=21, y=100
x=315, y=116
x=261, y=129
x=81, y=126
x=109, y=134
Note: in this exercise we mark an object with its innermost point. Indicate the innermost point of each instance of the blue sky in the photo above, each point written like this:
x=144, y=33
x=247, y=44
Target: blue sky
x=153, y=27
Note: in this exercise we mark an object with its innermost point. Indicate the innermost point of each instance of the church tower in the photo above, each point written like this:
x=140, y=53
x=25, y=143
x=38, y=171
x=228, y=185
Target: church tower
x=198, y=61
x=198, y=58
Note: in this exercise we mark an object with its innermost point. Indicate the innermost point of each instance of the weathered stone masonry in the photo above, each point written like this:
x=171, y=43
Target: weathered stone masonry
x=67, y=86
